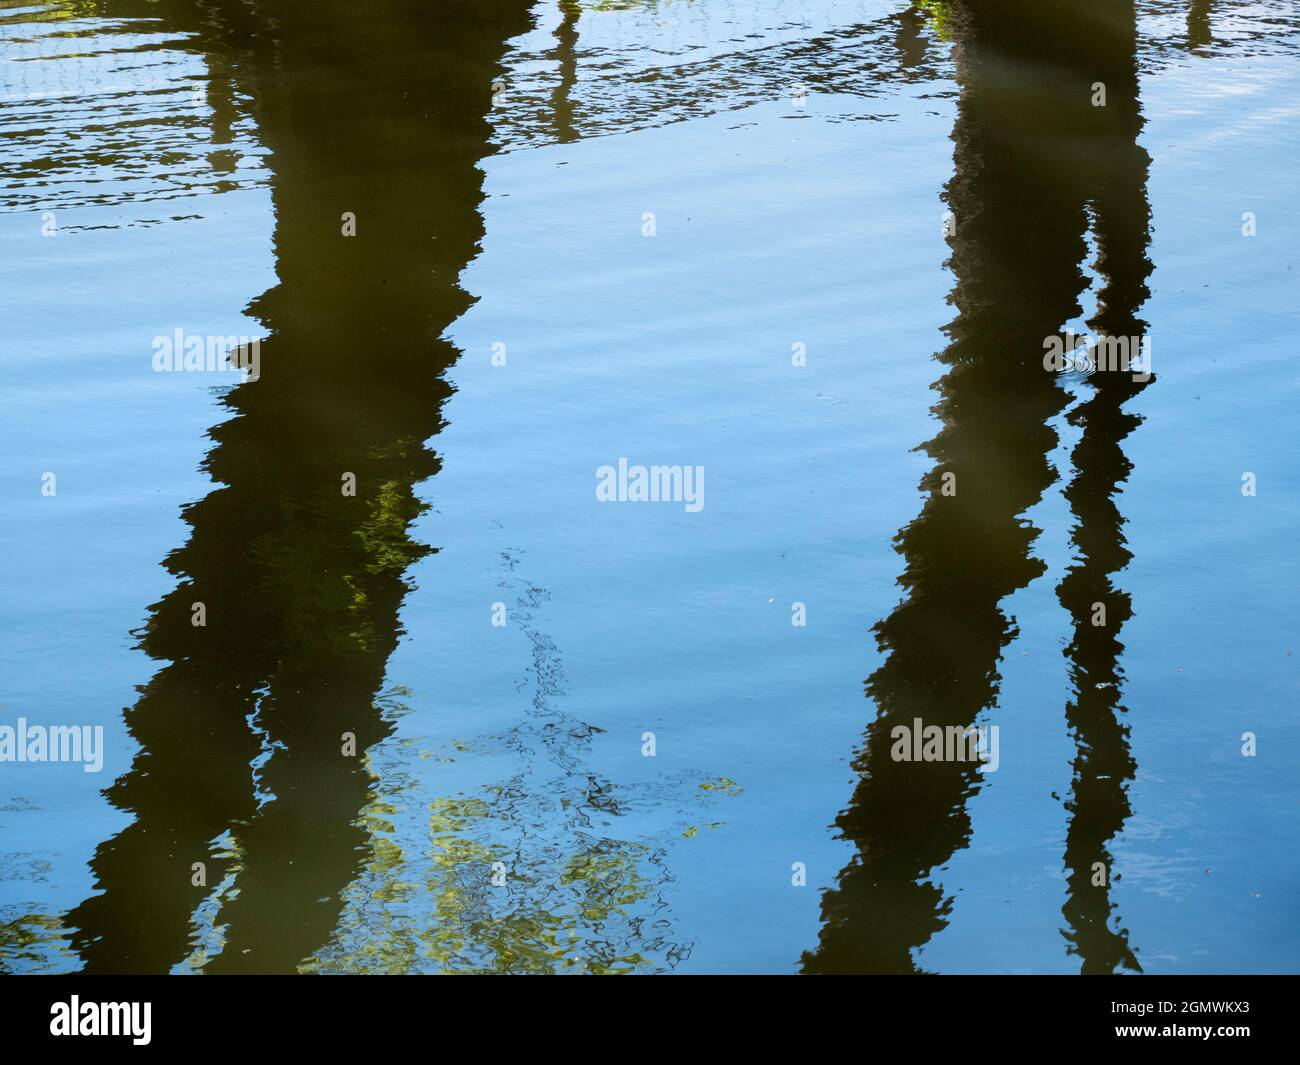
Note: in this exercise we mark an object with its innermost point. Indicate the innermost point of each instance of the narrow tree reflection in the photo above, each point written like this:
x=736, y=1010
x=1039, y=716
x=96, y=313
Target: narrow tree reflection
x=566, y=55
x=1104, y=765
x=1199, y=33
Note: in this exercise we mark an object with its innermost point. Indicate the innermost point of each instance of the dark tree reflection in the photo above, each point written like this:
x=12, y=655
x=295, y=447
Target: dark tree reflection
x=1034, y=159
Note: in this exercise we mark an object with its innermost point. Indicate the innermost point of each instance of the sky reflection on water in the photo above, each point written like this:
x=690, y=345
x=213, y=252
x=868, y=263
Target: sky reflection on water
x=499, y=158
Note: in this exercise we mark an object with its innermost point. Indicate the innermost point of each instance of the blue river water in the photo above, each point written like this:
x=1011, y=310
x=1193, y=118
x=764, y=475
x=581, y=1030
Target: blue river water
x=815, y=252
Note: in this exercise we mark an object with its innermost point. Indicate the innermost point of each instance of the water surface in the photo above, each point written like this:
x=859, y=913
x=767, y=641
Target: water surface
x=435, y=219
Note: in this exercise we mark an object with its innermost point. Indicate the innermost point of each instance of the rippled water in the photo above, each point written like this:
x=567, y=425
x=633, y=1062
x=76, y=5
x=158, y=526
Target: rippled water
x=466, y=716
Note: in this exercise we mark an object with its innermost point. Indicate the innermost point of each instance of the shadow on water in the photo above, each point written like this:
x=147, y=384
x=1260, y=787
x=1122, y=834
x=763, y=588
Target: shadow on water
x=242, y=731
x=1034, y=161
